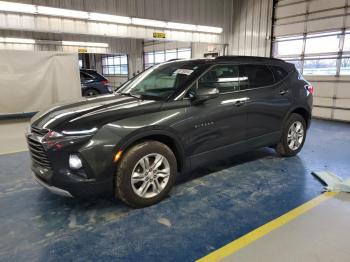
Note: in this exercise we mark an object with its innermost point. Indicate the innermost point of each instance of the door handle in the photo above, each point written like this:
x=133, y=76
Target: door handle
x=283, y=92
x=242, y=101
x=236, y=102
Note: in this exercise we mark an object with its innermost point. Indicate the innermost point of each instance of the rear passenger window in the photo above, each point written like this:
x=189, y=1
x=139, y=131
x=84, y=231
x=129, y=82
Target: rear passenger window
x=84, y=76
x=223, y=77
x=258, y=76
x=278, y=72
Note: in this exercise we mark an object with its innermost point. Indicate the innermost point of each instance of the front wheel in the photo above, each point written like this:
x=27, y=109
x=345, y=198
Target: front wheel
x=293, y=136
x=145, y=174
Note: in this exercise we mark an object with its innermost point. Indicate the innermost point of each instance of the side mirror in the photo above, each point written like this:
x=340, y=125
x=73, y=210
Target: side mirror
x=204, y=93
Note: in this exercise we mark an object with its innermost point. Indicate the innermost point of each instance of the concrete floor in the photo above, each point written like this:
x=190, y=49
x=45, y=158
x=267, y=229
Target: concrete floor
x=207, y=209
x=321, y=234
x=12, y=136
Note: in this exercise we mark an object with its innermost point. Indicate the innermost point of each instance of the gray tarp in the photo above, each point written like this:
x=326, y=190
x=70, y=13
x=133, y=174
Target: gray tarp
x=31, y=81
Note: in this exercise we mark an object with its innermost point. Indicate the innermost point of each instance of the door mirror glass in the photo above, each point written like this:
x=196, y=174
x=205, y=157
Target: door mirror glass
x=203, y=94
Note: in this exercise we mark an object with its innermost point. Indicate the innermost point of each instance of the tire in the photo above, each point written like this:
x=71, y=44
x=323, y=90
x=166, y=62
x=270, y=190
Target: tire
x=132, y=176
x=286, y=146
x=91, y=92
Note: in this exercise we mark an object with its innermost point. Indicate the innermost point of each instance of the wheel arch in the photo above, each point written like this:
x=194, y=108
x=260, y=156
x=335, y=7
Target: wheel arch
x=85, y=90
x=305, y=113
x=163, y=136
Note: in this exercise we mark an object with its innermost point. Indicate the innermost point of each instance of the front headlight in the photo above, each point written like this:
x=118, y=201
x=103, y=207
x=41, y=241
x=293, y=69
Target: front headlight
x=58, y=140
x=80, y=132
x=52, y=135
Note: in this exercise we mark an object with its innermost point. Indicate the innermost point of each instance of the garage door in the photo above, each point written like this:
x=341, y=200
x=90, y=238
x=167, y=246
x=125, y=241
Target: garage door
x=315, y=36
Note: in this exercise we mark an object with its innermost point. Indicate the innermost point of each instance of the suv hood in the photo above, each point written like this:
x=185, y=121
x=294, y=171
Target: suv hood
x=92, y=112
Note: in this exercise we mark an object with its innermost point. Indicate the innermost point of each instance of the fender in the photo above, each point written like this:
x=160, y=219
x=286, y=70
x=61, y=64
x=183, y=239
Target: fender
x=149, y=131
x=296, y=107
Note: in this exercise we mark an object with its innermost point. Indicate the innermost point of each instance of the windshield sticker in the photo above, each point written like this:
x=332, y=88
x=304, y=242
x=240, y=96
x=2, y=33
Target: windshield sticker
x=183, y=72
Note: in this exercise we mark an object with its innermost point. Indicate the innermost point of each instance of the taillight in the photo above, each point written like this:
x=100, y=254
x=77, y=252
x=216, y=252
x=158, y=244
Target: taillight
x=104, y=82
x=310, y=88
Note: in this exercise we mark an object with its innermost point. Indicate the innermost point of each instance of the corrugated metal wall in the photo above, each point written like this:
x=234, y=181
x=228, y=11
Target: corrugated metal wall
x=300, y=18
x=206, y=12
x=246, y=23
x=247, y=27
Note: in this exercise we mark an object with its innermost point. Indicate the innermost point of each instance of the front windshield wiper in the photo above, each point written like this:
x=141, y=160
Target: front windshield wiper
x=131, y=95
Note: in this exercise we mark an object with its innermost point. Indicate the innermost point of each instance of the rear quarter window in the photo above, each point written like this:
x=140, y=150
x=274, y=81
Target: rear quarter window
x=259, y=76
x=279, y=73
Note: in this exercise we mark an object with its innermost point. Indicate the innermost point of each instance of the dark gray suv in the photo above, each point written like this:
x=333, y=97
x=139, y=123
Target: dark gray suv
x=173, y=116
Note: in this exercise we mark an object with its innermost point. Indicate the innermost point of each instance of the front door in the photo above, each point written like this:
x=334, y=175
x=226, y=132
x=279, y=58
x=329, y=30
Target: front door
x=219, y=124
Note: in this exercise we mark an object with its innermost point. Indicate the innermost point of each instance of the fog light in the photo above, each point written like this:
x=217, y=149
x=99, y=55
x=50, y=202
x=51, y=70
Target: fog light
x=75, y=162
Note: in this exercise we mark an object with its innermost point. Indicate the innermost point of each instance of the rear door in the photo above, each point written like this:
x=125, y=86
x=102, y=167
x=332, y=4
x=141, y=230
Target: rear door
x=269, y=101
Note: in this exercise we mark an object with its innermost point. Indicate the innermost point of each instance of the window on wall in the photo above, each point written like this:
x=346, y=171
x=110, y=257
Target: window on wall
x=157, y=57
x=320, y=66
x=316, y=54
x=288, y=47
x=115, y=65
x=345, y=66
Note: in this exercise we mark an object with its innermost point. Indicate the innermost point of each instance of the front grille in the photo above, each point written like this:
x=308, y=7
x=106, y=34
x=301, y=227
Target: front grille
x=38, y=153
x=38, y=131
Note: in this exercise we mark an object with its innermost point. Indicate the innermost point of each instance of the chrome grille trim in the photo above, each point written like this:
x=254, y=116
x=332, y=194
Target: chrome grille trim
x=38, y=131
x=38, y=153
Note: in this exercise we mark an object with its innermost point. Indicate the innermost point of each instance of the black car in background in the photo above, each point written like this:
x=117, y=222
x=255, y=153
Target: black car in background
x=93, y=84
x=171, y=117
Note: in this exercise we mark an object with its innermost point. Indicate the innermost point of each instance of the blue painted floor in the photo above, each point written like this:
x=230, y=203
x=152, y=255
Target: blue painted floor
x=207, y=209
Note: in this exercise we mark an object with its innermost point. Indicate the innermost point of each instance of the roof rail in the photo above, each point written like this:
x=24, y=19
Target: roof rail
x=246, y=57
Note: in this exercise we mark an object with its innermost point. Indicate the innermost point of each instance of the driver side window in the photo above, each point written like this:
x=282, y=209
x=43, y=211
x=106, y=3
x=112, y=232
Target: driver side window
x=224, y=77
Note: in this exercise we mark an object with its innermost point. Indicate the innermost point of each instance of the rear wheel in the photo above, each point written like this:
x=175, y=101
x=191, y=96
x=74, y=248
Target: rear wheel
x=145, y=174
x=293, y=136
x=91, y=92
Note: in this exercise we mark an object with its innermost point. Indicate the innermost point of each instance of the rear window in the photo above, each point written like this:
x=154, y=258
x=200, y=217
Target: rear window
x=279, y=73
x=91, y=74
x=258, y=75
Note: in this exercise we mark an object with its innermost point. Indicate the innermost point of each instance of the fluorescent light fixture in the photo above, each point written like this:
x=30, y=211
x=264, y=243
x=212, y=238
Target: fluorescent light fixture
x=16, y=7
x=148, y=22
x=88, y=44
x=209, y=29
x=110, y=18
x=180, y=26
x=16, y=40
x=44, y=10
x=60, y=12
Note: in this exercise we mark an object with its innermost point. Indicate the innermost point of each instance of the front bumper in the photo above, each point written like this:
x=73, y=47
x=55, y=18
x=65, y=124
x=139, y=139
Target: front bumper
x=50, y=169
x=53, y=189
x=65, y=183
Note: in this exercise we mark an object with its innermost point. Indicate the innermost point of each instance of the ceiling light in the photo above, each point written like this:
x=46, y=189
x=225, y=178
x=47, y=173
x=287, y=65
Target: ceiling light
x=180, y=26
x=60, y=12
x=16, y=40
x=15, y=7
x=110, y=18
x=209, y=29
x=83, y=44
x=44, y=10
x=148, y=22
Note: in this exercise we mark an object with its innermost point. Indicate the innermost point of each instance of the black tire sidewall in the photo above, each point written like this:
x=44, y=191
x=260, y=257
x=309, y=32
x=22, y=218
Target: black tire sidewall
x=292, y=119
x=123, y=185
x=86, y=92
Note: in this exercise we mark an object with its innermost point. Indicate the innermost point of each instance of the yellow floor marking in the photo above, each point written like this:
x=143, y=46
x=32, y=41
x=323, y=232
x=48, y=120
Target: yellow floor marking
x=254, y=235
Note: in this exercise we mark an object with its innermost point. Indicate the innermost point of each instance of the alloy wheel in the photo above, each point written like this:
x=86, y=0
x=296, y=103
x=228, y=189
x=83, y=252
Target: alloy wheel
x=150, y=175
x=295, y=135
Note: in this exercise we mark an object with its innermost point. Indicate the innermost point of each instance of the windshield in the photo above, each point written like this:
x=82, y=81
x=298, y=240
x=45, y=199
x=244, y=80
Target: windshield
x=162, y=80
